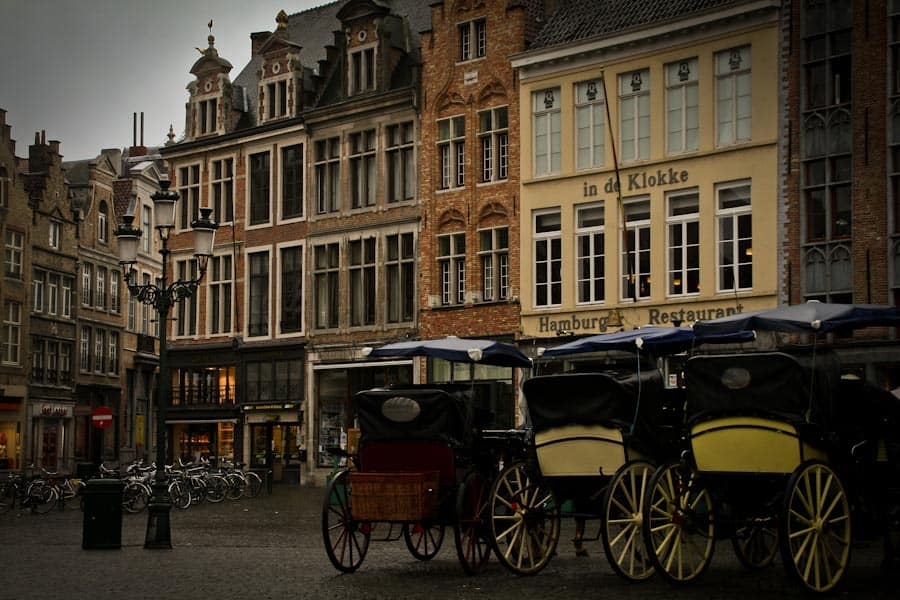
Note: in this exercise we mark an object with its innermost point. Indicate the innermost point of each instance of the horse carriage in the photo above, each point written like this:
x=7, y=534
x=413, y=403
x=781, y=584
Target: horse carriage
x=427, y=455
x=598, y=432
x=780, y=453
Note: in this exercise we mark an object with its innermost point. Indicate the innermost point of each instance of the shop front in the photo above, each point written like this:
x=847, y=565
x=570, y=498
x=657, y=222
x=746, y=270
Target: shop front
x=10, y=433
x=52, y=435
x=277, y=443
x=196, y=439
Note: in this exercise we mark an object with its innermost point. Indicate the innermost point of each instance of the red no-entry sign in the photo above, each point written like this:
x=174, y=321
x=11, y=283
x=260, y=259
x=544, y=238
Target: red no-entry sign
x=101, y=417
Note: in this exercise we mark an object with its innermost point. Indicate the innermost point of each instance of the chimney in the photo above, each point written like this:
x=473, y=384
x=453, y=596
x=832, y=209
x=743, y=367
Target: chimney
x=257, y=39
x=136, y=150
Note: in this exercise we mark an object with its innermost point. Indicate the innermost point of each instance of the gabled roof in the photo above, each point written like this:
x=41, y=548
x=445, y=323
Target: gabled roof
x=584, y=19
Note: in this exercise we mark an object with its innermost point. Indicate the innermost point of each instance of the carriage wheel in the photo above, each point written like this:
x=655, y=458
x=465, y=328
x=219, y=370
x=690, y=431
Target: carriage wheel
x=756, y=543
x=470, y=532
x=623, y=519
x=678, y=523
x=524, y=521
x=423, y=539
x=815, y=546
x=346, y=540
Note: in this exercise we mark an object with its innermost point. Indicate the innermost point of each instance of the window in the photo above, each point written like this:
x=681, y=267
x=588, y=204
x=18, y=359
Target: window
x=37, y=286
x=146, y=227
x=186, y=308
x=103, y=222
x=113, y=355
x=259, y=294
x=590, y=109
x=634, y=115
x=362, y=282
x=145, y=309
x=590, y=239
x=12, y=315
x=189, y=196
x=87, y=284
x=291, y=289
x=114, y=303
x=4, y=186
x=401, y=168
x=494, y=256
x=472, y=39
x=223, y=190
x=220, y=296
x=280, y=380
x=547, y=259
x=326, y=280
x=259, y=188
x=53, y=293
x=362, y=71
x=400, y=279
x=37, y=359
x=277, y=99
x=362, y=169
x=546, y=126
x=206, y=122
x=67, y=284
x=292, y=182
x=101, y=288
x=65, y=363
x=328, y=175
x=682, y=106
x=99, y=350
x=734, y=217
x=452, y=151
x=52, y=361
x=636, y=251
x=683, y=224
x=13, y=256
x=493, y=137
x=132, y=313
x=85, y=348
x=733, y=96
x=452, y=266
x=55, y=227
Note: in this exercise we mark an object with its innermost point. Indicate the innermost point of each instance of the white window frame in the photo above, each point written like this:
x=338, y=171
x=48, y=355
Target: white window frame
x=682, y=106
x=267, y=222
x=218, y=277
x=67, y=285
x=37, y=286
x=493, y=138
x=362, y=308
x=682, y=277
x=400, y=162
x=221, y=189
x=634, y=115
x=53, y=280
x=267, y=250
x=277, y=94
x=87, y=284
x=279, y=291
x=85, y=344
x=12, y=333
x=547, y=126
x=362, y=162
x=146, y=227
x=327, y=174
x=451, y=152
x=362, y=77
x=112, y=357
x=551, y=239
x=54, y=228
x=590, y=125
x=494, y=262
x=394, y=285
x=637, y=227
x=115, y=304
x=586, y=267
x=188, y=206
x=15, y=245
x=472, y=39
x=328, y=271
x=207, y=120
x=186, y=268
x=301, y=150
x=734, y=89
x=100, y=296
x=452, y=268
x=103, y=222
x=733, y=214
x=99, y=350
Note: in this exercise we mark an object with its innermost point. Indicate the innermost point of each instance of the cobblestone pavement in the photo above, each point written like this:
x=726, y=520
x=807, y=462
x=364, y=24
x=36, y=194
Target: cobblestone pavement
x=271, y=547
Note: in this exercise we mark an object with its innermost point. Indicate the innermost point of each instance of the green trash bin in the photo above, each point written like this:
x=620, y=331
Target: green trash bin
x=102, y=514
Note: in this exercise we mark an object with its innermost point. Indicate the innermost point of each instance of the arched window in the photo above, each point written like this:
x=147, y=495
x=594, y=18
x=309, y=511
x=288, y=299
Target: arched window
x=815, y=136
x=103, y=222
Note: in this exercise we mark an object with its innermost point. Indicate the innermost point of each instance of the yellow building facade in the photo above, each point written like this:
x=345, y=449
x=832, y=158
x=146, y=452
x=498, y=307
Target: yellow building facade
x=688, y=227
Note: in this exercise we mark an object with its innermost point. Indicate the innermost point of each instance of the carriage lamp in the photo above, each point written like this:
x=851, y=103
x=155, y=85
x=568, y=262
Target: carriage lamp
x=162, y=295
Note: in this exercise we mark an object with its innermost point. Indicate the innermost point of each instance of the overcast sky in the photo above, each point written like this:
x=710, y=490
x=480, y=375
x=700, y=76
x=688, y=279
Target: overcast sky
x=79, y=69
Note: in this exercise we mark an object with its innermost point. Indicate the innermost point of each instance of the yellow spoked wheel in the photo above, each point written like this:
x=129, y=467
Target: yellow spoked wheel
x=524, y=521
x=815, y=546
x=346, y=540
x=678, y=523
x=623, y=521
x=756, y=543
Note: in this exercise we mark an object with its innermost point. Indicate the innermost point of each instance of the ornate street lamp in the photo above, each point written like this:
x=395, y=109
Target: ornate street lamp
x=162, y=295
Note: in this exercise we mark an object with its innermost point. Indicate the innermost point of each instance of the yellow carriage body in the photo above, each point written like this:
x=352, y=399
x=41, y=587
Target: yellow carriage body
x=580, y=450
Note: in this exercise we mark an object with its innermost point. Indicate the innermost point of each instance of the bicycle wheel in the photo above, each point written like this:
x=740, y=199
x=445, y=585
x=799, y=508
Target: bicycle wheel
x=42, y=498
x=179, y=495
x=134, y=497
x=236, y=486
x=215, y=488
x=254, y=484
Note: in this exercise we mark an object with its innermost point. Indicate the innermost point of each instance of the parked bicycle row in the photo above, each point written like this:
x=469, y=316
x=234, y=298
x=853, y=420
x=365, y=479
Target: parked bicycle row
x=186, y=484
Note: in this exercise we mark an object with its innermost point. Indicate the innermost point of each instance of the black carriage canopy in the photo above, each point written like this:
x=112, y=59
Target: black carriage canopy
x=795, y=388
x=413, y=413
x=600, y=398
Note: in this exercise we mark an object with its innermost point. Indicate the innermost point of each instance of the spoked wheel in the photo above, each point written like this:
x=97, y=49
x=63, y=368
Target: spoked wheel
x=623, y=518
x=180, y=494
x=678, y=523
x=524, y=521
x=346, y=540
x=756, y=543
x=43, y=498
x=471, y=531
x=815, y=546
x=423, y=539
x=134, y=498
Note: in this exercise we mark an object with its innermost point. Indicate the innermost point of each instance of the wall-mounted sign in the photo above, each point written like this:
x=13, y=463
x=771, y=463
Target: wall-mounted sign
x=601, y=321
x=635, y=182
x=52, y=410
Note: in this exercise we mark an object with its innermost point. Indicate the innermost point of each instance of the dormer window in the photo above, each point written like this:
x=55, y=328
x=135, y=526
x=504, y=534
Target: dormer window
x=276, y=99
x=472, y=39
x=362, y=71
x=207, y=117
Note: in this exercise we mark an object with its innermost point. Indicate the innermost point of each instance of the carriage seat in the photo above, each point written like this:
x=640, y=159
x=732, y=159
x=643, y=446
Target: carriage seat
x=409, y=456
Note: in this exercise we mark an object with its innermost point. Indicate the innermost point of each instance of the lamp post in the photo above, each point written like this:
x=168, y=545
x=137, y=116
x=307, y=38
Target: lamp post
x=162, y=295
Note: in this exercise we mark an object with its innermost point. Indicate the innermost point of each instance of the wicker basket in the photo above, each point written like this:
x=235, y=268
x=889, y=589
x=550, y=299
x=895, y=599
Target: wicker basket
x=393, y=496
